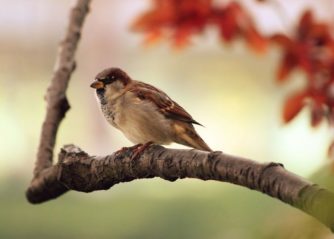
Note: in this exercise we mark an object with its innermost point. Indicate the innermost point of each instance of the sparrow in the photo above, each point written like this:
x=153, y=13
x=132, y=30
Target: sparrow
x=144, y=113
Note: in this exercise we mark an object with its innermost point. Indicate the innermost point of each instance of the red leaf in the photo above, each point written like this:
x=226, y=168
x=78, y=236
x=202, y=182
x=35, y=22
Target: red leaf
x=255, y=40
x=305, y=24
x=152, y=37
x=200, y=7
x=162, y=13
x=293, y=105
x=302, y=53
x=281, y=40
x=317, y=114
x=320, y=31
x=288, y=63
x=227, y=23
x=182, y=37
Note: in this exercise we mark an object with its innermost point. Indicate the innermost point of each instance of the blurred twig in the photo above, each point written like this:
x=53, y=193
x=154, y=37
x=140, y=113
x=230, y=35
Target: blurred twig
x=57, y=104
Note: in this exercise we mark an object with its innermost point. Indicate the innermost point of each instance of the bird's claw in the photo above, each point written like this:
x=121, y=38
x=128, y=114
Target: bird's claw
x=138, y=149
x=135, y=150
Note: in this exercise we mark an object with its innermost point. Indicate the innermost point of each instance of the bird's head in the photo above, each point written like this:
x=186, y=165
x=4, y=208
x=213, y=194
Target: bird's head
x=110, y=83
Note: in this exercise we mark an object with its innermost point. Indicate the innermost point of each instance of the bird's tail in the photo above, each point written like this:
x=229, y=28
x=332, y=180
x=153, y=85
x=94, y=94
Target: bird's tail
x=190, y=138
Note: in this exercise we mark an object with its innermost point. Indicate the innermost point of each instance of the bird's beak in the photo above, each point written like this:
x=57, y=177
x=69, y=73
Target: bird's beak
x=97, y=85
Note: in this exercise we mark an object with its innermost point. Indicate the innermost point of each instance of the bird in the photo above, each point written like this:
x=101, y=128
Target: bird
x=143, y=113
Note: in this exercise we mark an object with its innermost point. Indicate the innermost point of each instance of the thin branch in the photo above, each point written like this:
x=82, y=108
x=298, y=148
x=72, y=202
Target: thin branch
x=57, y=104
x=77, y=170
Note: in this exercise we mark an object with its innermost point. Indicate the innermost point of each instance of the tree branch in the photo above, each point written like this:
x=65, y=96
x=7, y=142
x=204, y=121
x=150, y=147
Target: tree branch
x=76, y=170
x=57, y=103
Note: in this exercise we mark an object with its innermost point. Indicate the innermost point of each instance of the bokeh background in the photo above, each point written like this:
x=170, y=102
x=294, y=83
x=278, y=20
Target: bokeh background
x=229, y=89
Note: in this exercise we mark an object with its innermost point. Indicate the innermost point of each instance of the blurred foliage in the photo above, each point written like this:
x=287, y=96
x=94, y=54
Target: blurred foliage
x=179, y=20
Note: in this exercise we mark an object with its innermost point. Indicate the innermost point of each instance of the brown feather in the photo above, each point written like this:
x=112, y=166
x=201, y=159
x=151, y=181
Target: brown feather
x=187, y=135
x=166, y=105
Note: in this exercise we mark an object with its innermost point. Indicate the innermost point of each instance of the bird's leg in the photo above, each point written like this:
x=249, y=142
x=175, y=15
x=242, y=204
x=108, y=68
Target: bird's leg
x=135, y=150
x=138, y=149
x=124, y=149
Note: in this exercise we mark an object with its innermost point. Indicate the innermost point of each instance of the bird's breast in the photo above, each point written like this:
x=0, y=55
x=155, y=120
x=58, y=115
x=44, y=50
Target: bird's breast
x=141, y=122
x=110, y=113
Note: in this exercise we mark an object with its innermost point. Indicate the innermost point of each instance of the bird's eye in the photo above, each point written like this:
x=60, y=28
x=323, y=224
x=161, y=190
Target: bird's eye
x=109, y=79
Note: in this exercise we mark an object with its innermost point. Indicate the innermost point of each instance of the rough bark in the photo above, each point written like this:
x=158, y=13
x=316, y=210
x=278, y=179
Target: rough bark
x=57, y=103
x=76, y=170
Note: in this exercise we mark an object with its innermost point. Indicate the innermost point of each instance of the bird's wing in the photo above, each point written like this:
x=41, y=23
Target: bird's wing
x=166, y=105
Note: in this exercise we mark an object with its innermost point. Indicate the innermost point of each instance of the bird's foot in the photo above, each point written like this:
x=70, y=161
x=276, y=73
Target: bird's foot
x=135, y=151
x=138, y=149
x=130, y=149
